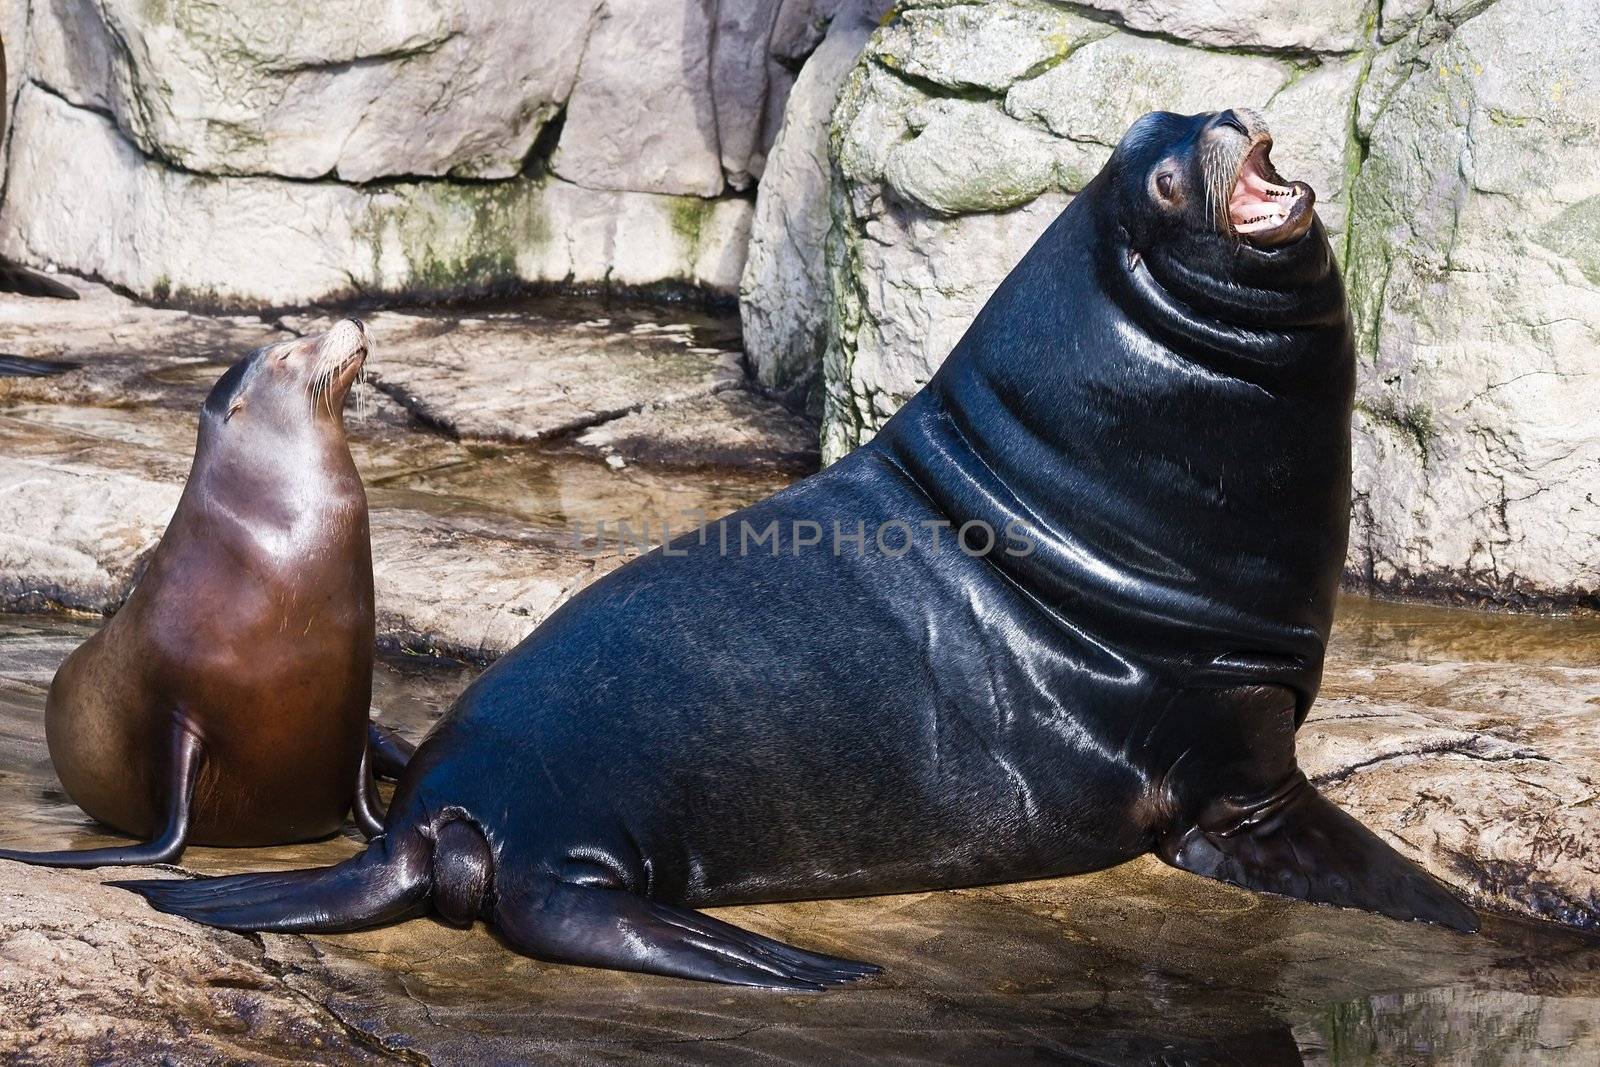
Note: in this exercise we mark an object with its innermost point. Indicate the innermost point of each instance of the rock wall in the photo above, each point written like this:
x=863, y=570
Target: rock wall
x=283, y=152
x=882, y=180
x=1455, y=149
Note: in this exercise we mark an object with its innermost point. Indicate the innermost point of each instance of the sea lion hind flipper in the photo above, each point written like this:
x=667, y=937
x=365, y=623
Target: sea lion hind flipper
x=390, y=751
x=1297, y=843
x=596, y=926
x=167, y=846
x=380, y=885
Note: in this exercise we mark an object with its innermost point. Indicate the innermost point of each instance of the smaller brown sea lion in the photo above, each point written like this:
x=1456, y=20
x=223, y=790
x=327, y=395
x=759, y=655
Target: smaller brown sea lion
x=226, y=702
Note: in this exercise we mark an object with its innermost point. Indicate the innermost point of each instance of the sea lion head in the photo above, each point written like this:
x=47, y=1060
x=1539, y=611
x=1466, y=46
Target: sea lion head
x=1161, y=392
x=1208, y=248
x=1207, y=179
x=291, y=387
x=1199, y=200
x=272, y=434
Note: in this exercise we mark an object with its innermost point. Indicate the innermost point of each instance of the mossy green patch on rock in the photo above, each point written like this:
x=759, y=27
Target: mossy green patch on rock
x=445, y=237
x=842, y=427
x=1413, y=422
x=688, y=216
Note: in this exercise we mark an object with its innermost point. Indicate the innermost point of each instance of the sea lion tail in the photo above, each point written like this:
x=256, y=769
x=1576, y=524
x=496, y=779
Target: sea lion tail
x=388, y=881
x=1297, y=843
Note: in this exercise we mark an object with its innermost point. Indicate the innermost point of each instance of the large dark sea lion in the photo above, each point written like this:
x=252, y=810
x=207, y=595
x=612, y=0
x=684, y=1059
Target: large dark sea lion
x=226, y=703
x=1142, y=441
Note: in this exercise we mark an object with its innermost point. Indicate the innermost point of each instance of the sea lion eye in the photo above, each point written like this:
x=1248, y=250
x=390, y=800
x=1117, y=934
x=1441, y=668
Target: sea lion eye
x=1164, y=184
x=233, y=409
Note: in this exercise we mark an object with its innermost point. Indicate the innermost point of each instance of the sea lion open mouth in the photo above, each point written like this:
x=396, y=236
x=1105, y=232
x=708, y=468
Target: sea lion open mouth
x=1262, y=208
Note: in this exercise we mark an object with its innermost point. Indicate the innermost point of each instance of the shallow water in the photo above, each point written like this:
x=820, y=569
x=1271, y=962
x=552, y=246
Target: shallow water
x=1137, y=964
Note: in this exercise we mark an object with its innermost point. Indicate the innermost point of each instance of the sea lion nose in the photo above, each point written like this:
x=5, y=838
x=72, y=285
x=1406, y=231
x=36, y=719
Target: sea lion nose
x=1231, y=119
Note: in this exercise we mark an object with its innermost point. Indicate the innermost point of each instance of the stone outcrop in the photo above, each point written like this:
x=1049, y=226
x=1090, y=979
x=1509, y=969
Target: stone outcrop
x=1474, y=270
x=282, y=154
x=287, y=154
x=523, y=380
x=783, y=294
x=318, y=90
x=1454, y=153
x=198, y=238
x=90, y=974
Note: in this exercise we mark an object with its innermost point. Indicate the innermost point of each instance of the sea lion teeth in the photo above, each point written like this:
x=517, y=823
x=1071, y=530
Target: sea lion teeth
x=1159, y=415
x=1256, y=198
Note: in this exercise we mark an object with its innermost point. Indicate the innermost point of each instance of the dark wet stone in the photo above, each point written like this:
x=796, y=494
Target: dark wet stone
x=730, y=428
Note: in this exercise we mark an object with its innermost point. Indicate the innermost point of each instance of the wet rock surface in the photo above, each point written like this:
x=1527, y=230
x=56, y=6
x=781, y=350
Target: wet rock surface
x=87, y=974
x=1127, y=965
x=1472, y=744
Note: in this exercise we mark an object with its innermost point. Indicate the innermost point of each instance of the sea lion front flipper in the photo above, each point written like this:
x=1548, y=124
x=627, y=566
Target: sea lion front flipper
x=167, y=846
x=390, y=751
x=1295, y=842
x=596, y=926
x=367, y=810
x=15, y=279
